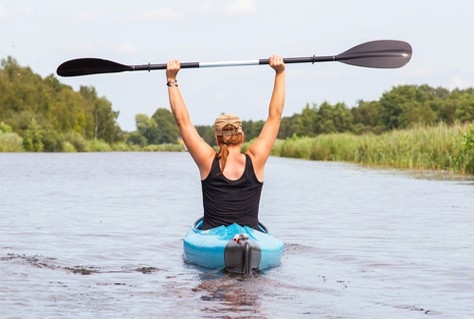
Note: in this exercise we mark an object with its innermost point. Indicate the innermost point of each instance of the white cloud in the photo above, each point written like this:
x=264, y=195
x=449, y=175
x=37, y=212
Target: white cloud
x=127, y=48
x=26, y=11
x=3, y=12
x=165, y=13
x=459, y=83
x=205, y=9
x=242, y=8
x=86, y=15
x=413, y=73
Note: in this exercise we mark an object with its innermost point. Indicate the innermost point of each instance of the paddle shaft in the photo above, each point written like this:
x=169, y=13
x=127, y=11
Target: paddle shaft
x=193, y=65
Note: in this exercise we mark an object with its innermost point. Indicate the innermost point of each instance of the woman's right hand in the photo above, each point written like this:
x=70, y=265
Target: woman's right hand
x=276, y=62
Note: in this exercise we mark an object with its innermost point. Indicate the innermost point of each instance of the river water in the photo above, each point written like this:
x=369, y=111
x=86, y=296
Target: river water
x=99, y=235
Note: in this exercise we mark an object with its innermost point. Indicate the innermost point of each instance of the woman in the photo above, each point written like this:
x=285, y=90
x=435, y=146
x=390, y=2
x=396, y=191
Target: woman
x=231, y=181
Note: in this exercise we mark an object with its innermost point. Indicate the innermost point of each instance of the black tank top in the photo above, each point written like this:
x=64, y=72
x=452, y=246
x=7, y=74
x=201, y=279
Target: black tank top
x=231, y=201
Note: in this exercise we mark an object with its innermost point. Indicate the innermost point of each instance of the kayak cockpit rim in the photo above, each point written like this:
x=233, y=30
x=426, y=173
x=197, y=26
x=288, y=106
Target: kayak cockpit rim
x=198, y=225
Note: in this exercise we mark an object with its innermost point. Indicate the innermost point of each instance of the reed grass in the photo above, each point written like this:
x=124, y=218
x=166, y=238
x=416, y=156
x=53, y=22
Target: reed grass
x=71, y=143
x=438, y=147
x=164, y=148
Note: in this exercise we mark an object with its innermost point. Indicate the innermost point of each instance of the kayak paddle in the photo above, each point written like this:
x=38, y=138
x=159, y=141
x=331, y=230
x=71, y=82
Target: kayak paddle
x=374, y=54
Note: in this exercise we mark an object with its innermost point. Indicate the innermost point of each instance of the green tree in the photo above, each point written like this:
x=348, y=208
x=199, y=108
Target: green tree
x=167, y=131
x=288, y=126
x=103, y=124
x=395, y=105
x=252, y=129
x=408, y=105
x=137, y=138
x=56, y=108
x=147, y=128
x=307, y=122
x=464, y=100
x=32, y=139
x=365, y=116
x=207, y=133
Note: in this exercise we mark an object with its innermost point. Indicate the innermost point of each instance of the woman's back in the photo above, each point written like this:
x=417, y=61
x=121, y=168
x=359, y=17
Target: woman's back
x=227, y=201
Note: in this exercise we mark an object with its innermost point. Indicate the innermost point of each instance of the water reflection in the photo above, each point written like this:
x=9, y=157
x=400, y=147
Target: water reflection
x=42, y=262
x=230, y=295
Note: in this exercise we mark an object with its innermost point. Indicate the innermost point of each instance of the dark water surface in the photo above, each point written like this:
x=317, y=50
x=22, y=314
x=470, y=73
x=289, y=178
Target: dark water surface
x=99, y=235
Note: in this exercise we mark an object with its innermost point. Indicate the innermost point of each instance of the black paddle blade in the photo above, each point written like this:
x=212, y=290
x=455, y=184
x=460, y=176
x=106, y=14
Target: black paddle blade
x=388, y=54
x=87, y=66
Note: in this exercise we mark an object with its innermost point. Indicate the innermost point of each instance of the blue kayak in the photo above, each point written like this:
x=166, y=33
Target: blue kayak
x=234, y=248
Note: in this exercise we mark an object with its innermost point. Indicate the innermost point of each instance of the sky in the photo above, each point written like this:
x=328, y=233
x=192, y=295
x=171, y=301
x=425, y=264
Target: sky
x=43, y=34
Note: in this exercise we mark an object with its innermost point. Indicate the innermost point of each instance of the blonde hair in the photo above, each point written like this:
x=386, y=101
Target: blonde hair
x=225, y=140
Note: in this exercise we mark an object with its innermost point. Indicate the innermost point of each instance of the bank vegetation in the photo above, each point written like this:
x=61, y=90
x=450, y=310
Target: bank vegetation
x=410, y=126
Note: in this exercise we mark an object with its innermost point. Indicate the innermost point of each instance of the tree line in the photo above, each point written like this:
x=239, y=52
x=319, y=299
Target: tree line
x=402, y=107
x=47, y=115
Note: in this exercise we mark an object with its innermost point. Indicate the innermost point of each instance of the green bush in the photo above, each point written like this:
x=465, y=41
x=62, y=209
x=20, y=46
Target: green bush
x=52, y=141
x=79, y=143
x=99, y=146
x=164, y=148
x=464, y=159
x=4, y=128
x=68, y=147
x=10, y=142
x=121, y=147
x=33, y=137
